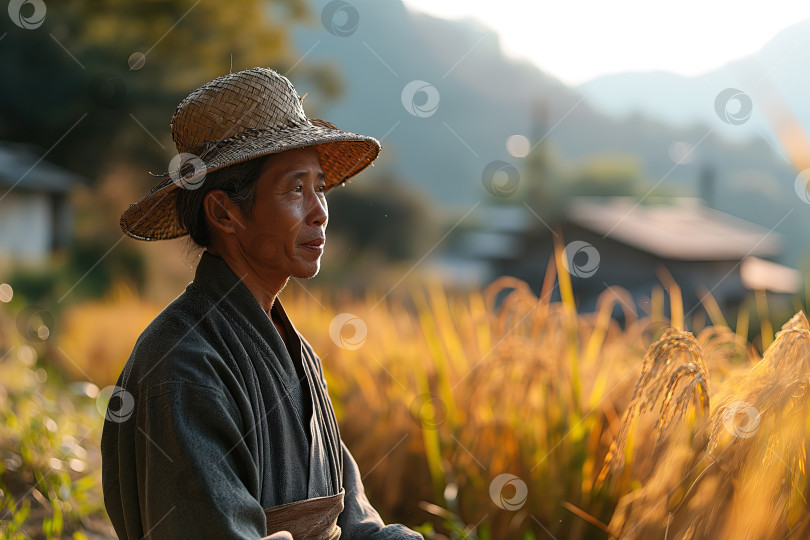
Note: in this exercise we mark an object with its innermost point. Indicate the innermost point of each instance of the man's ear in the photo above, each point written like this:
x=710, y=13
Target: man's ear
x=222, y=214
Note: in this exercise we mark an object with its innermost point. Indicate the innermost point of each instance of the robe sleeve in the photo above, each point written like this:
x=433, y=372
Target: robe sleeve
x=193, y=464
x=359, y=519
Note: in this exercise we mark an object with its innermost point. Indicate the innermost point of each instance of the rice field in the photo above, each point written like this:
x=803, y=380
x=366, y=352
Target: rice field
x=488, y=414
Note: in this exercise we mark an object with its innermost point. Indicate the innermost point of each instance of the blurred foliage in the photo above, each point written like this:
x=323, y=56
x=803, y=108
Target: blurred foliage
x=79, y=63
x=441, y=399
x=381, y=217
x=77, y=89
x=86, y=270
x=551, y=181
x=605, y=176
x=97, y=336
x=446, y=393
x=50, y=430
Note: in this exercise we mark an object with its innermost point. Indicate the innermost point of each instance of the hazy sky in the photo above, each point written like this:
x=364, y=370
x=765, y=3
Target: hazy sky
x=579, y=40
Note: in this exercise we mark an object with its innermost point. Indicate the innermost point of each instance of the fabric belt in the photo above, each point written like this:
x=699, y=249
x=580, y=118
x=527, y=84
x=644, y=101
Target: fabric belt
x=310, y=519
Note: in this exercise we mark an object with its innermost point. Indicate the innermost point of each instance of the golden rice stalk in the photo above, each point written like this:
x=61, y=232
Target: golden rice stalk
x=521, y=296
x=777, y=381
x=711, y=307
x=764, y=314
x=724, y=350
x=675, y=297
x=744, y=473
x=607, y=300
x=674, y=373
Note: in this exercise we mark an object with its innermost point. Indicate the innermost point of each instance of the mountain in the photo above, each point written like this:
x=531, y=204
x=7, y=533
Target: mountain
x=778, y=68
x=466, y=98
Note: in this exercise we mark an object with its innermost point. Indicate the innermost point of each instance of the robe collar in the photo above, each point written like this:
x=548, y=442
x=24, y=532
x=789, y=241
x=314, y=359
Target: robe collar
x=227, y=290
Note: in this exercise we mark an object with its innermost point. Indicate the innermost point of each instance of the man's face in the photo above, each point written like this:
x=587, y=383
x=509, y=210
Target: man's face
x=285, y=233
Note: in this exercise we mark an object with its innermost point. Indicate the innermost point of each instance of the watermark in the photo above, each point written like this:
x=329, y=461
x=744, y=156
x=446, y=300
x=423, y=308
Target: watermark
x=187, y=170
x=28, y=14
x=108, y=90
x=508, y=492
x=680, y=152
x=733, y=106
x=348, y=331
x=500, y=179
x=741, y=419
x=802, y=186
x=340, y=18
x=136, y=61
x=430, y=410
x=421, y=99
x=581, y=259
x=115, y=404
x=34, y=323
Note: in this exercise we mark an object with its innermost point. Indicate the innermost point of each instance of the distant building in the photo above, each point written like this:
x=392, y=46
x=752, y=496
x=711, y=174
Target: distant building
x=702, y=248
x=35, y=215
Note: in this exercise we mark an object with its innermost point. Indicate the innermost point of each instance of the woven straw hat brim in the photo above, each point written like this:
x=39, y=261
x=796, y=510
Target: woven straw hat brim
x=342, y=155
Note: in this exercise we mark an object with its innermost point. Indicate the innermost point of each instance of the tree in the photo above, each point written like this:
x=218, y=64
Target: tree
x=102, y=79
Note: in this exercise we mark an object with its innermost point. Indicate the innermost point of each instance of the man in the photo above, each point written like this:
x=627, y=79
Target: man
x=220, y=425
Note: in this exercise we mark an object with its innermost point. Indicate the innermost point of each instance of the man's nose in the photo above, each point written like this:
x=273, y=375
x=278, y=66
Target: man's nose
x=318, y=211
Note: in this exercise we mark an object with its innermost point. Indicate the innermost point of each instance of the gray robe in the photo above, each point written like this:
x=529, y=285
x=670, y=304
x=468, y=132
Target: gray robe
x=223, y=423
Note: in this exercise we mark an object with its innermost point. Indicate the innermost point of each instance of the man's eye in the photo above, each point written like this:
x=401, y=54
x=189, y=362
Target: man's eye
x=299, y=188
x=322, y=188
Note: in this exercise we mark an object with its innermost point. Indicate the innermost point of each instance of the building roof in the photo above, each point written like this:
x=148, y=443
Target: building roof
x=682, y=229
x=23, y=168
x=761, y=275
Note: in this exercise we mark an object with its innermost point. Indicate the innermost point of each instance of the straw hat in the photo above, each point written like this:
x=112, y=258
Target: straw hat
x=233, y=119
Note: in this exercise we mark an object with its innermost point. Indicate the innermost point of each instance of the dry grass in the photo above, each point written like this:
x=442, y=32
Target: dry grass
x=639, y=430
x=743, y=473
x=673, y=373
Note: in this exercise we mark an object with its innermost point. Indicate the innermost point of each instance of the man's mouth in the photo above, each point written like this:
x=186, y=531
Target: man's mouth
x=315, y=245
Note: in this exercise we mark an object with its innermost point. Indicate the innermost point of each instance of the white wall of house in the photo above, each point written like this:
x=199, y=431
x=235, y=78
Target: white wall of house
x=25, y=226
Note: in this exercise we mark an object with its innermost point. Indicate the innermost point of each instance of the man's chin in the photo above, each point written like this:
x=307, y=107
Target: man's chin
x=309, y=272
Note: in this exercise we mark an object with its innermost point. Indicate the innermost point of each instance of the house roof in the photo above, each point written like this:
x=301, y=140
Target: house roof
x=683, y=229
x=761, y=275
x=23, y=168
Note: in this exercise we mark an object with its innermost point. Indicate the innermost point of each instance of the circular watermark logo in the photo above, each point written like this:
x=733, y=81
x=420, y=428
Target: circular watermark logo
x=429, y=410
x=28, y=14
x=187, y=170
x=115, y=403
x=340, y=18
x=733, y=106
x=34, y=323
x=802, y=186
x=508, y=492
x=421, y=99
x=581, y=259
x=108, y=90
x=500, y=179
x=741, y=419
x=348, y=331
x=680, y=152
x=136, y=61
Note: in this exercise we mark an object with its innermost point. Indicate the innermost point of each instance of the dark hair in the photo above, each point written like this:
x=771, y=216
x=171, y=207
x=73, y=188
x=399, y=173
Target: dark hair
x=239, y=184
